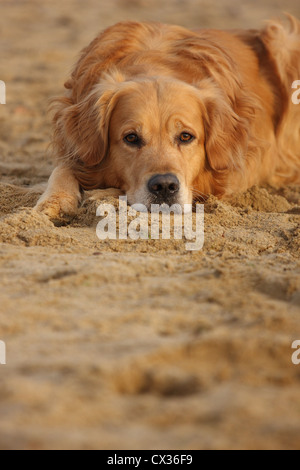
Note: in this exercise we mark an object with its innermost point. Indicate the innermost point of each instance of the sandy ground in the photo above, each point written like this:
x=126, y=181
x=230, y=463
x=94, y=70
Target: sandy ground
x=142, y=345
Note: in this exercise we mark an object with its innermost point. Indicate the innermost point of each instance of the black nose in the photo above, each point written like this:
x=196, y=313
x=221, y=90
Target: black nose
x=164, y=186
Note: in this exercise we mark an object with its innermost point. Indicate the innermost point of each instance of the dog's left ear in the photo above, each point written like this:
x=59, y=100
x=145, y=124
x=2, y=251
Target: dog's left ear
x=95, y=118
x=227, y=131
x=81, y=129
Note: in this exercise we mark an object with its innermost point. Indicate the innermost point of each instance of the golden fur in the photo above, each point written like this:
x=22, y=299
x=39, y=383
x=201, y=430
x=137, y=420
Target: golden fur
x=231, y=91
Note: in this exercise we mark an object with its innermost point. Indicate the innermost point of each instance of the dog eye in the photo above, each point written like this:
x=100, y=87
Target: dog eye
x=132, y=139
x=186, y=138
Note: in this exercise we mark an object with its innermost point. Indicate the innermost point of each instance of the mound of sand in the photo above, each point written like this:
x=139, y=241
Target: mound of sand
x=137, y=344
x=13, y=197
x=260, y=199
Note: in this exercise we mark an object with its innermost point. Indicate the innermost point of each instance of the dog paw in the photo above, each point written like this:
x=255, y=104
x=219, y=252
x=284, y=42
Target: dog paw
x=58, y=207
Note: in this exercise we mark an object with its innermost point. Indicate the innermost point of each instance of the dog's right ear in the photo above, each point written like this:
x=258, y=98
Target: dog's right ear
x=228, y=127
x=81, y=129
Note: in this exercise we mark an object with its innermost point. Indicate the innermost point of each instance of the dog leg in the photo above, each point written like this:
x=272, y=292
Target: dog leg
x=62, y=195
x=99, y=194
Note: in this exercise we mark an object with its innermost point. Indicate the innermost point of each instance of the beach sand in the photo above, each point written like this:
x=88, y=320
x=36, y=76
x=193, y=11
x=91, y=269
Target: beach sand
x=137, y=344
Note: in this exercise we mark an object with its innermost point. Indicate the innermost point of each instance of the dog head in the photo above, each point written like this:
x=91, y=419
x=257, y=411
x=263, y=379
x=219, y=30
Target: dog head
x=156, y=141
x=160, y=140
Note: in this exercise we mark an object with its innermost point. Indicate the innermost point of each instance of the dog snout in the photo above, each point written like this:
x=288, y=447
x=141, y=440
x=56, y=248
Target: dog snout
x=164, y=187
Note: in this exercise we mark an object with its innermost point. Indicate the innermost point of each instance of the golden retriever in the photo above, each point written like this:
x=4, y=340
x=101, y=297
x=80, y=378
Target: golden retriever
x=169, y=115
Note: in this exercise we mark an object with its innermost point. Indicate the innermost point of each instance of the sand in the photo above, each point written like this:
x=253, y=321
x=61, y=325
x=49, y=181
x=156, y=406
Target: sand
x=137, y=344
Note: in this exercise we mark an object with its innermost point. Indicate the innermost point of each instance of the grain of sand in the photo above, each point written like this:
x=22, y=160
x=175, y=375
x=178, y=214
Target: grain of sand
x=141, y=345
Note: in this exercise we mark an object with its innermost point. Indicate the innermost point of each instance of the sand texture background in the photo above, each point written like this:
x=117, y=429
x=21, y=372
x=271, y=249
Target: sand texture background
x=142, y=345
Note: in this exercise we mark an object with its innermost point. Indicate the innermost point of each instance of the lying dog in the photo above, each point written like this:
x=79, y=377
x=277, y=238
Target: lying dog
x=169, y=115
